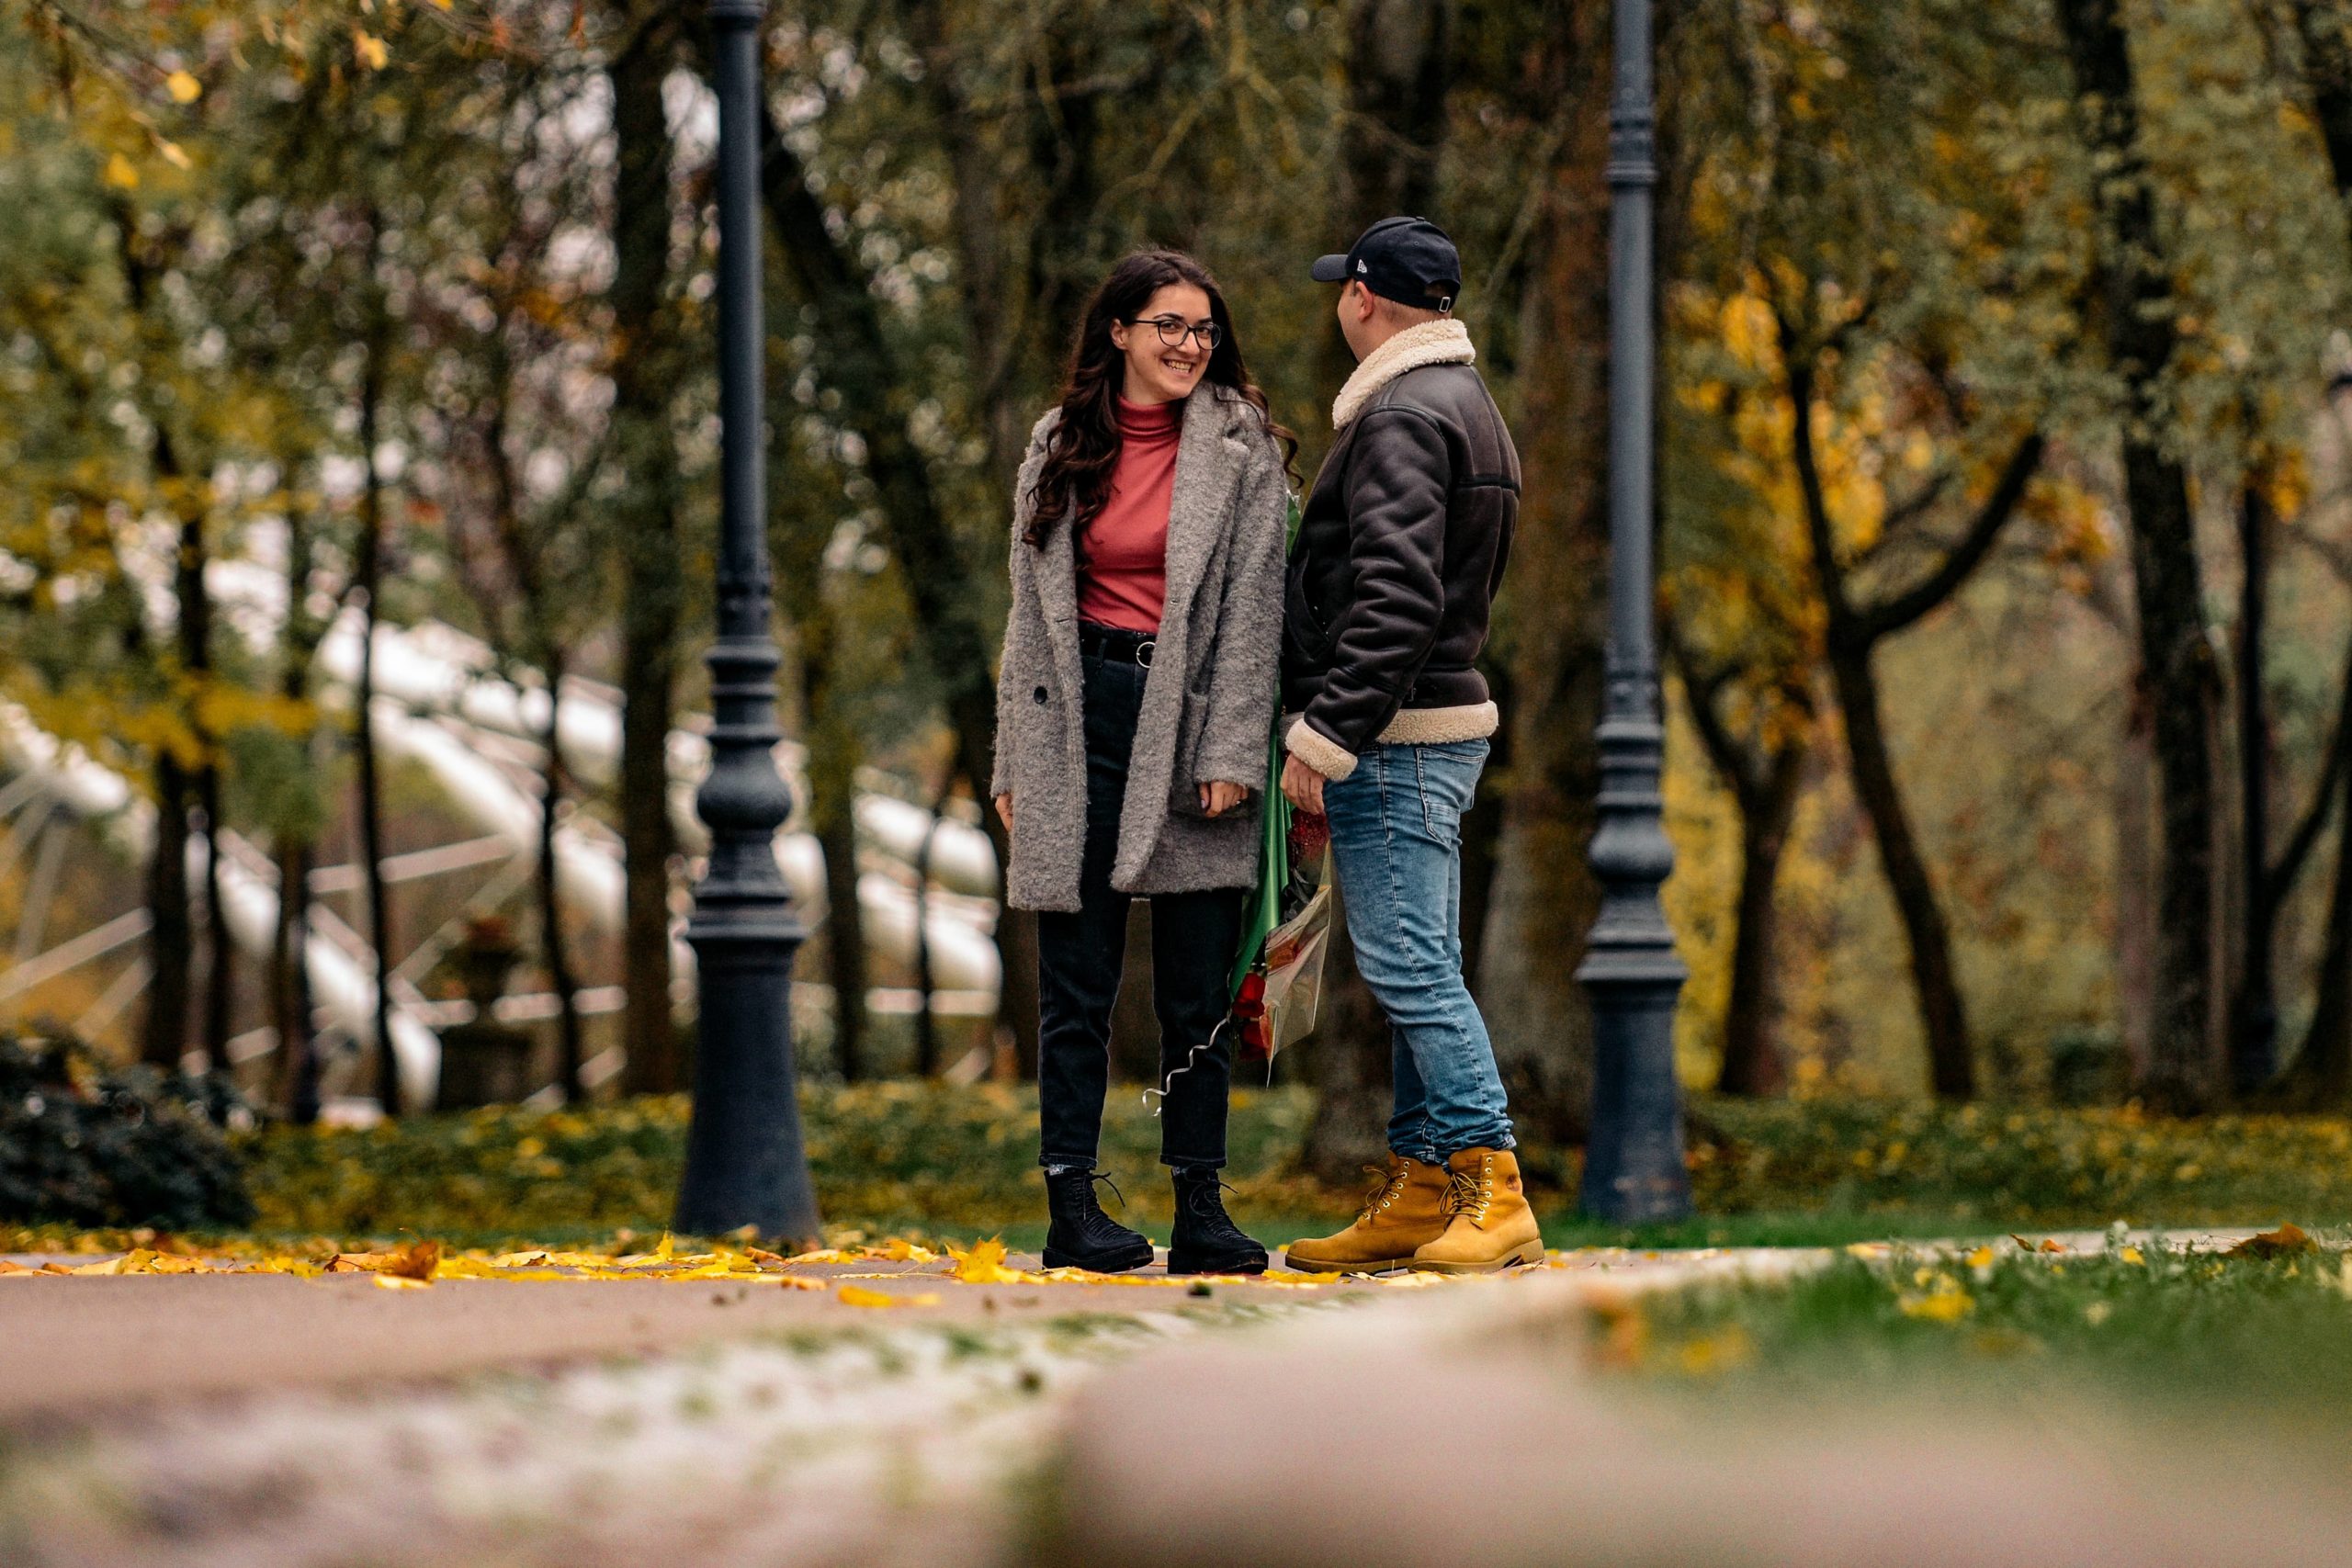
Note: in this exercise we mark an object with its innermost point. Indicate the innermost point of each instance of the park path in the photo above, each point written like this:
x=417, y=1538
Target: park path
x=196, y=1420
x=205, y=1421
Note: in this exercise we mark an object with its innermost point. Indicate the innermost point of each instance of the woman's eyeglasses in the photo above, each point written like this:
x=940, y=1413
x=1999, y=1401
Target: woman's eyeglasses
x=1174, y=330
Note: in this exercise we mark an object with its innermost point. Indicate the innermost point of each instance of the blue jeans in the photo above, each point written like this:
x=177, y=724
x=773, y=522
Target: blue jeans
x=1396, y=852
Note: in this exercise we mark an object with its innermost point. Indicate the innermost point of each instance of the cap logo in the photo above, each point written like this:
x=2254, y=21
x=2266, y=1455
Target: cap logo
x=1360, y=266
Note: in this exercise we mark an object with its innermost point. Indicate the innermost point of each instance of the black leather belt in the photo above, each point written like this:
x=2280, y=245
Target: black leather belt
x=1114, y=645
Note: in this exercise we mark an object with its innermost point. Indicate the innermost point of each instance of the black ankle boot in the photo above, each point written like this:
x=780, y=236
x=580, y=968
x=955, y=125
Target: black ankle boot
x=1082, y=1234
x=1206, y=1241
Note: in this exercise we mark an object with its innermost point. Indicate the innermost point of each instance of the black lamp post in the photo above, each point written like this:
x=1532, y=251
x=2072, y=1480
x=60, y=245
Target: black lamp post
x=1633, y=1168
x=745, y=1163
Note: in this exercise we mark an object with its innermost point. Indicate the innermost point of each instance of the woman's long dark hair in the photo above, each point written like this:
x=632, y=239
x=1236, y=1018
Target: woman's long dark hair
x=1075, y=478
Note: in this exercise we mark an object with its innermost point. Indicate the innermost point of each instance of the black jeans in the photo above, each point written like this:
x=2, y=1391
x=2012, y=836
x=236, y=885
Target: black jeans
x=1193, y=939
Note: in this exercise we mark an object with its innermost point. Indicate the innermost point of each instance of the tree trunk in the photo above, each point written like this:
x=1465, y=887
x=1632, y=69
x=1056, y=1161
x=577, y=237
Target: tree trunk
x=2182, y=681
x=2327, y=73
x=553, y=946
x=2135, y=882
x=2254, y=1013
x=645, y=516
x=1752, y=1064
x=926, y=1022
x=1067, y=242
x=2321, y=1074
x=193, y=596
x=289, y=987
x=219, y=949
x=2318, y=1075
x=290, y=977
x=369, y=571
x=171, y=940
x=1952, y=1068
x=1545, y=897
x=833, y=784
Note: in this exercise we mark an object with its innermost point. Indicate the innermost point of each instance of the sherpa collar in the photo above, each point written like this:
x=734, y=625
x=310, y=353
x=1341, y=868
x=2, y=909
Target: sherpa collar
x=1442, y=342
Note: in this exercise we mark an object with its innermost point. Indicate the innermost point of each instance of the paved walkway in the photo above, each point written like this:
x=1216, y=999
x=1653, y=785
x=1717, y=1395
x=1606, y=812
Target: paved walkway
x=259, y=1421
x=69, y=1341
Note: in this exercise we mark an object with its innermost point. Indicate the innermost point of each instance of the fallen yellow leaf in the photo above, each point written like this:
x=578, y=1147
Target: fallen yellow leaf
x=2131, y=1254
x=416, y=1261
x=370, y=48
x=183, y=87
x=120, y=173
x=859, y=1296
x=1981, y=1258
x=401, y=1282
x=984, y=1264
x=2287, y=1240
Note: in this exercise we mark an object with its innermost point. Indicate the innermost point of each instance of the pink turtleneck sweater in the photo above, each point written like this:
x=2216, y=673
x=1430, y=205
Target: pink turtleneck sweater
x=1123, y=551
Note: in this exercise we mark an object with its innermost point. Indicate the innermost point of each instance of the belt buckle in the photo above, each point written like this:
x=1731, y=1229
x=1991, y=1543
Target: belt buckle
x=1143, y=651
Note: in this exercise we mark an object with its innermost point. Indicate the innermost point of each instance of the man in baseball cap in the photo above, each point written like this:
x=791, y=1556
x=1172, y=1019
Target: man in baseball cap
x=1401, y=546
x=1408, y=260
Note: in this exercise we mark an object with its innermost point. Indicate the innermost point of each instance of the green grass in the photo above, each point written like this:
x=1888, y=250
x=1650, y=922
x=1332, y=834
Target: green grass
x=900, y=1157
x=2195, y=1331
x=1994, y=1166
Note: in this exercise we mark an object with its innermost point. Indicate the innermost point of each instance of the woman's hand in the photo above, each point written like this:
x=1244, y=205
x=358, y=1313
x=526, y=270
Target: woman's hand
x=1217, y=797
x=1005, y=810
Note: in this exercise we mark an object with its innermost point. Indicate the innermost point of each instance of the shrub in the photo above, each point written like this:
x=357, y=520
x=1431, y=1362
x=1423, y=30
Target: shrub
x=87, y=1143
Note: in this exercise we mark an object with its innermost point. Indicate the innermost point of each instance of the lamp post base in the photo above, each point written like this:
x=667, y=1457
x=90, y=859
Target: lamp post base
x=1634, y=1171
x=744, y=1160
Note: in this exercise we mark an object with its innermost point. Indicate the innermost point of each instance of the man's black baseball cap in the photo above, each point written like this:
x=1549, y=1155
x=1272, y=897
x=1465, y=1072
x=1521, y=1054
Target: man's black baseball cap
x=1410, y=260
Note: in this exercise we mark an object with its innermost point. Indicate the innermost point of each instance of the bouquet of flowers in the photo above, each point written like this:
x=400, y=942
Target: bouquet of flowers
x=1278, y=980
x=1278, y=974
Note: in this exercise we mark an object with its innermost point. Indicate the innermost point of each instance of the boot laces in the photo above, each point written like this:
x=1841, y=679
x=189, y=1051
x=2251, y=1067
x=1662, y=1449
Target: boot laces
x=1084, y=1180
x=1467, y=1194
x=1206, y=1197
x=1387, y=1182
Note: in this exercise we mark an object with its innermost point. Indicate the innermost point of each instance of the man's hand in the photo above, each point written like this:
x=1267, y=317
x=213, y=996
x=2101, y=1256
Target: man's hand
x=1005, y=810
x=1302, y=786
x=1217, y=797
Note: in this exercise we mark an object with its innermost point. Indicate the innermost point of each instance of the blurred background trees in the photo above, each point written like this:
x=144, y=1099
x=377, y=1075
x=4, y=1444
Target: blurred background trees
x=2000, y=339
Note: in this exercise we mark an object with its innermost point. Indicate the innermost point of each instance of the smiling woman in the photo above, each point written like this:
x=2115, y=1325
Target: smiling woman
x=1133, y=706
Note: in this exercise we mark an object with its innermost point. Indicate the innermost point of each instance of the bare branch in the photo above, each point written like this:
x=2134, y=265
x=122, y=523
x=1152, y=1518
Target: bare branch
x=1899, y=612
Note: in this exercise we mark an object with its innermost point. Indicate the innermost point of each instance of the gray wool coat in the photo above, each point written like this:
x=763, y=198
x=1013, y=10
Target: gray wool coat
x=1207, y=702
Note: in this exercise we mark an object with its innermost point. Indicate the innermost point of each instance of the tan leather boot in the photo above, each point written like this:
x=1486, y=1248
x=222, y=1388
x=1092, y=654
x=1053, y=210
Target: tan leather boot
x=1489, y=1227
x=1406, y=1210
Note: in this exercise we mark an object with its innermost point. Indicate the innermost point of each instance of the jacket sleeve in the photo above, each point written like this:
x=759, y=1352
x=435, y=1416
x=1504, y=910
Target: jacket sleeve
x=1400, y=476
x=1019, y=654
x=1249, y=635
x=1024, y=623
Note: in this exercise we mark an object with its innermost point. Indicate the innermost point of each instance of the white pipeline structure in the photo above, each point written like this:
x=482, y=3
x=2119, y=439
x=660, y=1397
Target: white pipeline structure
x=441, y=704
